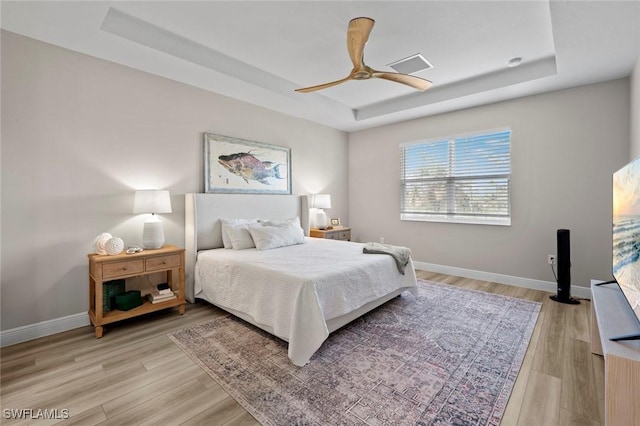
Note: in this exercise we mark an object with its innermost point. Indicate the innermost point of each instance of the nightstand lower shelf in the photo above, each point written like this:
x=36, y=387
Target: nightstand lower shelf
x=145, y=308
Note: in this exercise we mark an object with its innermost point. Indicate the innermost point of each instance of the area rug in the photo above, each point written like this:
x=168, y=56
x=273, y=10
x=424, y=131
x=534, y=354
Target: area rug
x=448, y=356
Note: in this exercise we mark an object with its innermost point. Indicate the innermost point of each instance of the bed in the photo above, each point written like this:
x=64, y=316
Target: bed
x=299, y=293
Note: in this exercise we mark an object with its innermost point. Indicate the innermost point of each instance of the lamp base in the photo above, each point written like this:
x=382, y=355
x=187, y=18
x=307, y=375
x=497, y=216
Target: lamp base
x=152, y=235
x=321, y=219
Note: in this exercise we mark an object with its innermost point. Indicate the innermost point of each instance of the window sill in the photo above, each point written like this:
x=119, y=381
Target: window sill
x=465, y=220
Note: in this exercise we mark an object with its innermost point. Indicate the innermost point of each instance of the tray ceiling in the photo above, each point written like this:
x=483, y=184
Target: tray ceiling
x=259, y=52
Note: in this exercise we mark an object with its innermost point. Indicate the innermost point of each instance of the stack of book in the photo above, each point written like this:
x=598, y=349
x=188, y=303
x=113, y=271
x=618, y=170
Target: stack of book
x=161, y=293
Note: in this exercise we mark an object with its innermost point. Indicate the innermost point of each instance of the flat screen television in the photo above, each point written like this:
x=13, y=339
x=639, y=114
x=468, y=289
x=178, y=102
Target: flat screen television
x=626, y=234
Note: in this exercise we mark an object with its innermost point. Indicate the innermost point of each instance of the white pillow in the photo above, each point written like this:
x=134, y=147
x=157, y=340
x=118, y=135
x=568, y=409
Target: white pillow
x=226, y=223
x=268, y=237
x=240, y=237
x=281, y=222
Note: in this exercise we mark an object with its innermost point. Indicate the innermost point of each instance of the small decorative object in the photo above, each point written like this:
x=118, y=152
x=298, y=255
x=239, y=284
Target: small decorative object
x=101, y=241
x=233, y=165
x=134, y=249
x=335, y=221
x=129, y=300
x=114, y=246
x=152, y=201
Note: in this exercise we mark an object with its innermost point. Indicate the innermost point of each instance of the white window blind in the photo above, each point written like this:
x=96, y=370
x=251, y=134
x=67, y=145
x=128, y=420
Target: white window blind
x=458, y=179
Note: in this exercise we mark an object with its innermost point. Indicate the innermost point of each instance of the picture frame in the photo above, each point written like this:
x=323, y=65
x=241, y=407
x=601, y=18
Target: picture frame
x=234, y=165
x=335, y=221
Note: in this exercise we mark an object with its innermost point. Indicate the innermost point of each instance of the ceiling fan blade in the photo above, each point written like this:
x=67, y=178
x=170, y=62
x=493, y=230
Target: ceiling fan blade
x=410, y=80
x=357, y=36
x=323, y=86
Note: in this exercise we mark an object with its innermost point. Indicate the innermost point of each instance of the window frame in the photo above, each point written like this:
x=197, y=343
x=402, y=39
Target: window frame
x=450, y=180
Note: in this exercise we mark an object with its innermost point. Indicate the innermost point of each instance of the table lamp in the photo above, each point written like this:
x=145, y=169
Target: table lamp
x=321, y=201
x=152, y=201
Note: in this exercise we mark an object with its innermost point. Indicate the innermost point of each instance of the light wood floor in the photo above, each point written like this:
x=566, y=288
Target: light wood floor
x=136, y=375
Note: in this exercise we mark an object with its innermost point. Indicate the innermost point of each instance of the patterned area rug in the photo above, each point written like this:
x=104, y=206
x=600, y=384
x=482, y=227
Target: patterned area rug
x=448, y=356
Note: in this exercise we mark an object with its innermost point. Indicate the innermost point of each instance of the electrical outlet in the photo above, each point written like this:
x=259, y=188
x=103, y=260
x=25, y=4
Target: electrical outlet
x=381, y=240
x=551, y=259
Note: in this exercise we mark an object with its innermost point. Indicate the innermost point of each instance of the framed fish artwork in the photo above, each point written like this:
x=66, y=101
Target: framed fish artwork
x=233, y=165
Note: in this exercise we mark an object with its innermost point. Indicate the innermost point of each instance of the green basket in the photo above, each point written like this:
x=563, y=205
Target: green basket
x=110, y=290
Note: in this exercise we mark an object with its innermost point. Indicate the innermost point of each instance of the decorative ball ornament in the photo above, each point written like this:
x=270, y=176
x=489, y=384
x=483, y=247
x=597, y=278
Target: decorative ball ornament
x=114, y=245
x=100, y=242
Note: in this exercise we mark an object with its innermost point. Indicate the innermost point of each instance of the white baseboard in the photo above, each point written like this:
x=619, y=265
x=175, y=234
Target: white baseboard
x=551, y=287
x=41, y=329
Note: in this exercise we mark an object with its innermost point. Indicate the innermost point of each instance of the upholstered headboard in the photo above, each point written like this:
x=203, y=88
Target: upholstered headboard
x=204, y=211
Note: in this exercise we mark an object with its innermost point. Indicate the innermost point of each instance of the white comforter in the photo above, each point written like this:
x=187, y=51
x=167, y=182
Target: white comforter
x=294, y=290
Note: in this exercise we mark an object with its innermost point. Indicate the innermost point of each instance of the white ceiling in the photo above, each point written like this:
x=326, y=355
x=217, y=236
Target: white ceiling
x=260, y=51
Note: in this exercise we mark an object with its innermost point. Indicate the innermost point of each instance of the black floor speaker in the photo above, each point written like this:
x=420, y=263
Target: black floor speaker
x=564, y=269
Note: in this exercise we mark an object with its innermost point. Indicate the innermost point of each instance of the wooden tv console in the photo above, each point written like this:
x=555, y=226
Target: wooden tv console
x=611, y=316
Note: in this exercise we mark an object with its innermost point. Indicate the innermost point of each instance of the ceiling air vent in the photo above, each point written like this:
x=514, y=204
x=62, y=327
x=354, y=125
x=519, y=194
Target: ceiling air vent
x=411, y=64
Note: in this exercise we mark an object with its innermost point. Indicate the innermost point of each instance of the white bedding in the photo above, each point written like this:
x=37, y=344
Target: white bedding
x=294, y=290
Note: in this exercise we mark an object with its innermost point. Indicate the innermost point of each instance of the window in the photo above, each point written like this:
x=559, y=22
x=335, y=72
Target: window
x=461, y=179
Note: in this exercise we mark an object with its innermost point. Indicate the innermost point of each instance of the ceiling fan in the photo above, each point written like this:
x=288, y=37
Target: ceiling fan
x=357, y=36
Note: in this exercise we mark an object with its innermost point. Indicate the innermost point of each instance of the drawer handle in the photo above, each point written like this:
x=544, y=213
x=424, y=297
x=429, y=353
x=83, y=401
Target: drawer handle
x=124, y=268
x=164, y=262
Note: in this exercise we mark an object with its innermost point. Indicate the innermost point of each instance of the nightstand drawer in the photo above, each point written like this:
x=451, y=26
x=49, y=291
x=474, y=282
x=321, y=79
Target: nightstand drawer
x=121, y=269
x=161, y=263
x=338, y=235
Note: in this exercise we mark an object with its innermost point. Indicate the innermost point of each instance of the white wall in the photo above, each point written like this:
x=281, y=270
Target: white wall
x=635, y=111
x=79, y=134
x=565, y=147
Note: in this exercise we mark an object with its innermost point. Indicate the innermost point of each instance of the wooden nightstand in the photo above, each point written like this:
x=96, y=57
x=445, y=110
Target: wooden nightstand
x=169, y=259
x=342, y=233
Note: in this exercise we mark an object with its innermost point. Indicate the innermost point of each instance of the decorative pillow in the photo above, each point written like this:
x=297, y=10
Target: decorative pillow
x=268, y=237
x=281, y=222
x=240, y=237
x=225, y=223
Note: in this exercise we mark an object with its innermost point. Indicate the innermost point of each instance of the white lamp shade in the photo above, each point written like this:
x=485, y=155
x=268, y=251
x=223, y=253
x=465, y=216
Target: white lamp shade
x=152, y=201
x=322, y=201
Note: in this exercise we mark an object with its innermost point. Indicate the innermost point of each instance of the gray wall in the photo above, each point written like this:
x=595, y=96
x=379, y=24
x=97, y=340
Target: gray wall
x=565, y=146
x=80, y=134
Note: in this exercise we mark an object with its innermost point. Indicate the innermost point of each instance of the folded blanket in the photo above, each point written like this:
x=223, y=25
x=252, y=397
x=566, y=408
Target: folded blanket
x=400, y=254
